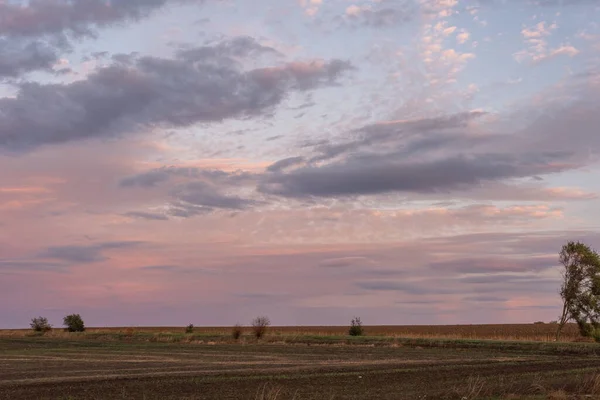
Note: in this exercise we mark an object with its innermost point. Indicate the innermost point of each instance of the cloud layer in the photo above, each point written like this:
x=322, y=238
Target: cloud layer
x=405, y=161
x=203, y=84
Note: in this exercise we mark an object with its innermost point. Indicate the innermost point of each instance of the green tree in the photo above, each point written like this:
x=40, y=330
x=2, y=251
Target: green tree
x=580, y=288
x=74, y=323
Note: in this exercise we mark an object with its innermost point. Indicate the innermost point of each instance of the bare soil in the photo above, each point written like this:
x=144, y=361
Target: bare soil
x=43, y=368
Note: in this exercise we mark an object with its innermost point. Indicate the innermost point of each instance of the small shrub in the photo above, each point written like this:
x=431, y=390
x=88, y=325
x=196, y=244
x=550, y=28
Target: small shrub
x=74, y=323
x=356, y=328
x=236, y=333
x=260, y=325
x=40, y=324
x=539, y=323
x=189, y=328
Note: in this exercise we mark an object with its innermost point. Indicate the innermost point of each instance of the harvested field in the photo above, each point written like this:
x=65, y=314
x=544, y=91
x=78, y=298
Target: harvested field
x=55, y=368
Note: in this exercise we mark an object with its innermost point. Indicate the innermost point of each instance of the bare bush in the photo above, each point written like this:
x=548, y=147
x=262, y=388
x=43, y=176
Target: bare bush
x=260, y=326
x=236, y=332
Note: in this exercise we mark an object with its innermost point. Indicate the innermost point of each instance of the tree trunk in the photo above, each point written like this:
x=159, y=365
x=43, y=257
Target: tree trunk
x=563, y=320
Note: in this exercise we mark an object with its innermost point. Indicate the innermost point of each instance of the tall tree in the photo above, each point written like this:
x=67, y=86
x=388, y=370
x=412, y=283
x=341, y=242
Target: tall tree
x=580, y=289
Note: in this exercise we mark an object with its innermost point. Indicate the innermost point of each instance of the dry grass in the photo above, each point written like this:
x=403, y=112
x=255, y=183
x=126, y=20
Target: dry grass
x=472, y=389
x=268, y=393
x=558, y=395
x=517, y=332
x=578, y=387
x=591, y=386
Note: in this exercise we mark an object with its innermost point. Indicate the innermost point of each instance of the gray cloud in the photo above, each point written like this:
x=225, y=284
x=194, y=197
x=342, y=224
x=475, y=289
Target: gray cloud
x=131, y=95
x=153, y=177
x=418, y=302
x=381, y=174
x=161, y=268
x=381, y=14
x=513, y=244
x=394, y=286
x=84, y=254
x=543, y=3
x=285, y=163
x=78, y=17
x=177, y=269
x=492, y=264
x=359, y=266
x=513, y=279
x=75, y=254
x=484, y=284
x=486, y=299
x=146, y=215
x=238, y=47
x=264, y=296
x=16, y=265
x=186, y=210
x=202, y=194
x=554, y=3
x=18, y=57
x=34, y=33
x=387, y=16
x=345, y=262
x=449, y=154
x=195, y=191
x=411, y=135
x=146, y=179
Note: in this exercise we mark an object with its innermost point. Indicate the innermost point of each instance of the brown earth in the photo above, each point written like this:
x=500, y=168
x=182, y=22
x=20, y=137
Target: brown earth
x=47, y=368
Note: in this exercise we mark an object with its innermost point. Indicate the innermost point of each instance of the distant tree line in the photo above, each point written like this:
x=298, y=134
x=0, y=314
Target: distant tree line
x=259, y=326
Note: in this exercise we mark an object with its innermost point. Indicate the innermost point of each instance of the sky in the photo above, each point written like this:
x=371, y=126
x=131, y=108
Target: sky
x=165, y=162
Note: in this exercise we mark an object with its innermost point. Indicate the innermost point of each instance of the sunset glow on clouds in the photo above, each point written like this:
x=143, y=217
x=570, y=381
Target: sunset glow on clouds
x=408, y=161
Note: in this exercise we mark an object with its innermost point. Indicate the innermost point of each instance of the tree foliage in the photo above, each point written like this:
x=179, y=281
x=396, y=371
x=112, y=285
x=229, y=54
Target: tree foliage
x=74, y=323
x=40, y=324
x=356, y=328
x=580, y=288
